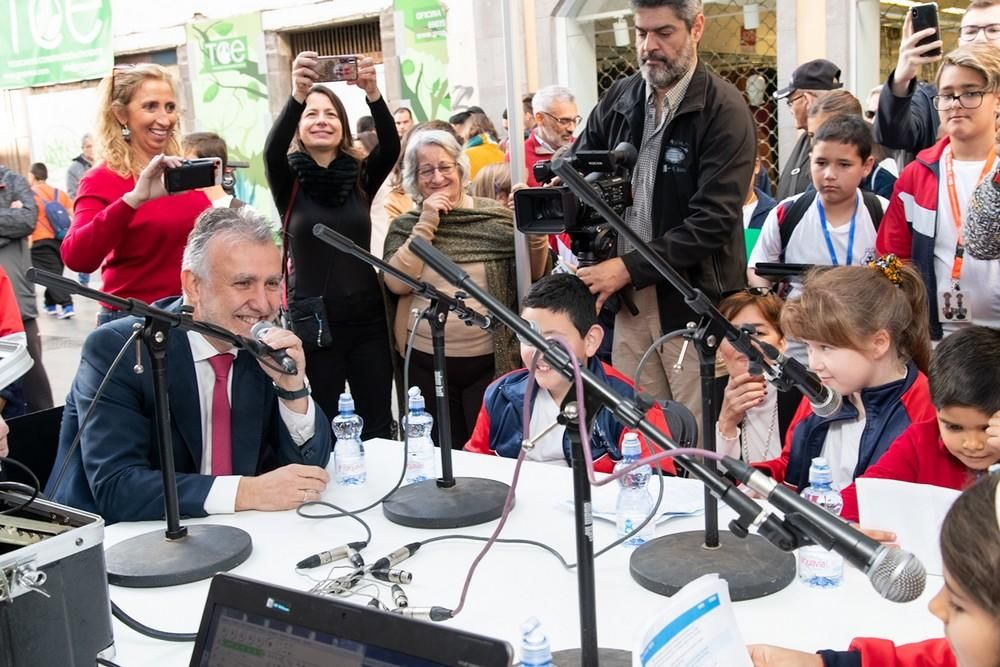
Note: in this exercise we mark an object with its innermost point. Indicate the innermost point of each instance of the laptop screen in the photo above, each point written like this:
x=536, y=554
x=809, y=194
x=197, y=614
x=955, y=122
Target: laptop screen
x=249, y=623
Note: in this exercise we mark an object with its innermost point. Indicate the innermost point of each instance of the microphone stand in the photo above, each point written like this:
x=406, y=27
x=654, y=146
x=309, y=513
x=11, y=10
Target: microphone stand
x=446, y=502
x=752, y=567
x=181, y=554
x=598, y=394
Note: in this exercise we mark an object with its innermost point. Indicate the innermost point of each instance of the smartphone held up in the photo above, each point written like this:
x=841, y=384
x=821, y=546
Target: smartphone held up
x=337, y=68
x=925, y=16
x=193, y=174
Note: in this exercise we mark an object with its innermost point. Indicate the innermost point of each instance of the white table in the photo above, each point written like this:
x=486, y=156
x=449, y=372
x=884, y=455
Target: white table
x=514, y=581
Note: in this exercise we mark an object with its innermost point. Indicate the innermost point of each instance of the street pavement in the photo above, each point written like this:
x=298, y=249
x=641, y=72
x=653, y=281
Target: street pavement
x=62, y=340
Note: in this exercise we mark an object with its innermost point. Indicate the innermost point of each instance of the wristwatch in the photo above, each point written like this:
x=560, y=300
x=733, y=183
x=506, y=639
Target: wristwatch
x=286, y=395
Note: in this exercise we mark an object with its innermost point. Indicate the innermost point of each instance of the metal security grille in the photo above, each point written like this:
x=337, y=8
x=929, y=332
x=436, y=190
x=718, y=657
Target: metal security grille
x=746, y=58
x=354, y=38
x=891, y=32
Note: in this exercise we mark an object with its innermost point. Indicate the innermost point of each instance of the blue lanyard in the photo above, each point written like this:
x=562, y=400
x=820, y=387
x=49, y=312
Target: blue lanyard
x=826, y=233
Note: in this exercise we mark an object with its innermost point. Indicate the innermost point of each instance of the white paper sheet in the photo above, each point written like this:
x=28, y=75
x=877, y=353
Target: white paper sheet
x=917, y=527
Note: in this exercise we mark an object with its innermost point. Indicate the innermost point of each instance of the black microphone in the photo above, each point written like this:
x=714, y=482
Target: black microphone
x=440, y=262
x=825, y=401
x=897, y=575
x=261, y=349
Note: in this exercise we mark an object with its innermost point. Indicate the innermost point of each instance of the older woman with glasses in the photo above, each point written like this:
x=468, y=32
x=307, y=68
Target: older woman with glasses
x=123, y=222
x=477, y=234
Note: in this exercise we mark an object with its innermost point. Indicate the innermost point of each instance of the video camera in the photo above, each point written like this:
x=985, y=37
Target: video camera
x=554, y=210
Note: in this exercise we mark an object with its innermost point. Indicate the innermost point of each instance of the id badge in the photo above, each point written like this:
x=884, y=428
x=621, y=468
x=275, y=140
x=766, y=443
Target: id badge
x=954, y=306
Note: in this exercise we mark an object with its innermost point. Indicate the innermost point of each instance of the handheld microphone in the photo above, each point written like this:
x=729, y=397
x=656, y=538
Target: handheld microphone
x=260, y=348
x=825, y=401
x=896, y=575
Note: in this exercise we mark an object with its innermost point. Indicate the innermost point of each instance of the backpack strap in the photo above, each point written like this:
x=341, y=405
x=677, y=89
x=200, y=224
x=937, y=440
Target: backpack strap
x=874, y=206
x=790, y=216
x=285, y=256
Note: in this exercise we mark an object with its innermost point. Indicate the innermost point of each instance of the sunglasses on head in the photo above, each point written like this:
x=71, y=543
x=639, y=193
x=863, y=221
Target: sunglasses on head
x=752, y=291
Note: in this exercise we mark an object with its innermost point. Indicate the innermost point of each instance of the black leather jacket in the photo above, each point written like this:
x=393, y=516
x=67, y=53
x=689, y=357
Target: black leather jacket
x=703, y=176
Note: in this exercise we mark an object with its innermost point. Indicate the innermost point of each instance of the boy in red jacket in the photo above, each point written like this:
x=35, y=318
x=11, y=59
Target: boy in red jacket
x=954, y=449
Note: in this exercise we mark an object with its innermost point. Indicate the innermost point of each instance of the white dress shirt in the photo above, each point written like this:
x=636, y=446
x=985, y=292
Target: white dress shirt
x=221, y=497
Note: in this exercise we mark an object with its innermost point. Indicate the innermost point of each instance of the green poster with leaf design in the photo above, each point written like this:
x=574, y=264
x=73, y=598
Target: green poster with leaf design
x=423, y=58
x=227, y=65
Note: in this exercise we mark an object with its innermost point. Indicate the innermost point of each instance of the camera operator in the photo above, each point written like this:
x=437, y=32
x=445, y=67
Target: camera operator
x=696, y=145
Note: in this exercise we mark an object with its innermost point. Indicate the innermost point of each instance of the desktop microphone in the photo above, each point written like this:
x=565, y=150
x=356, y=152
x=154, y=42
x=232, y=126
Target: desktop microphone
x=260, y=348
x=896, y=575
x=825, y=401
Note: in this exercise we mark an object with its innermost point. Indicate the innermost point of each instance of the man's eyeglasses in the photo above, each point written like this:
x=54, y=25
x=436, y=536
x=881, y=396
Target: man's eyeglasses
x=445, y=169
x=970, y=100
x=565, y=122
x=792, y=100
x=752, y=291
x=968, y=33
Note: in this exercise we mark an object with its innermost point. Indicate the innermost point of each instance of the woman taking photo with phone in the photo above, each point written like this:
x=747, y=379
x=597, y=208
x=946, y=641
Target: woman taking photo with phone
x=335, y=302
x=122, y=222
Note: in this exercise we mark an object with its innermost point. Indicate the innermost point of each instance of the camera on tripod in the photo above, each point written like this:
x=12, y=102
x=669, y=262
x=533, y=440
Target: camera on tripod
x=554, y=210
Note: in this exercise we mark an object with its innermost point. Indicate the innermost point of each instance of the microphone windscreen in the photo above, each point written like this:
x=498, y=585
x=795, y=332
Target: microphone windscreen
x=259, y=329
x=830, y=406
x=981, y=228
x=897, y=575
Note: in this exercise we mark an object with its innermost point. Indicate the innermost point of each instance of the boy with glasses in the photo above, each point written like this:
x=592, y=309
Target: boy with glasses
x=907, y=118
x=931, y=200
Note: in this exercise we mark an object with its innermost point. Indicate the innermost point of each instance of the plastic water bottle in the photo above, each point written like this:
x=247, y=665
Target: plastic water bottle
x=634, y=501
x=418, y=424
x=819, y=567
x=349, y=453
x=535, y=650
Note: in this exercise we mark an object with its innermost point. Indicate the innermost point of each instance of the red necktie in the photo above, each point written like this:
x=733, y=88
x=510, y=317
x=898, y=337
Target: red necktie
x=222, y=444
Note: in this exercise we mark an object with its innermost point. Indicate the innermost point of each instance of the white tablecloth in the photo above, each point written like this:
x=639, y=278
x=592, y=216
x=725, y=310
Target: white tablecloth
x=514, y=581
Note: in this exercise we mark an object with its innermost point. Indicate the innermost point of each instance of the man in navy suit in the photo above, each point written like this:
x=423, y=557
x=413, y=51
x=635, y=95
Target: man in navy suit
x=269, y=454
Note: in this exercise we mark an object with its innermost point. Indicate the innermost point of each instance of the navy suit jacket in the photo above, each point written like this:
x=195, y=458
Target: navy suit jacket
x=115, y=470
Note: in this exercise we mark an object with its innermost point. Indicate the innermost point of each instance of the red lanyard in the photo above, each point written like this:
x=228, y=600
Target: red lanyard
x=956, y=211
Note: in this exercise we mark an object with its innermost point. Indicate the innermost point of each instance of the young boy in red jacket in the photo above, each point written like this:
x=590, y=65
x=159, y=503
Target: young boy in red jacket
x=557, y=305
x=953, y=450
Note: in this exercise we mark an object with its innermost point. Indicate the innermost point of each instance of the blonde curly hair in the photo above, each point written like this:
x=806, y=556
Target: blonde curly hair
x=117, y=90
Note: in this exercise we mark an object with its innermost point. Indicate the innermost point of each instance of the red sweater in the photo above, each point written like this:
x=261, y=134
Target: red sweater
x=140, y=248
x=883, y=653
x=919, y=456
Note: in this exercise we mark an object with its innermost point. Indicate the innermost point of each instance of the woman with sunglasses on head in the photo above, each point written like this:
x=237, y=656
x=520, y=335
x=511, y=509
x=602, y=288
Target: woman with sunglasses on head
x=754, y=416
x=335, y=300
x=477, y=234
x=123, y=221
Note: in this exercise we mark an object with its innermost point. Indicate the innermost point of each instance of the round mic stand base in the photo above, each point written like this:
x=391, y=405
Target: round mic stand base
x=152, y=561
x=607, y=657
x=470, y=502
x=752, y=566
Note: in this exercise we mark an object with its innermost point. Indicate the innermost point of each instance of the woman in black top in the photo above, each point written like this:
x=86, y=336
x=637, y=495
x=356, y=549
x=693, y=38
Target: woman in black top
x=314, y=170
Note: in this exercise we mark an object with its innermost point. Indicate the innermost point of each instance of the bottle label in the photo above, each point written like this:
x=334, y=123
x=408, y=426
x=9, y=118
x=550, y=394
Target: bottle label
x=818, y=562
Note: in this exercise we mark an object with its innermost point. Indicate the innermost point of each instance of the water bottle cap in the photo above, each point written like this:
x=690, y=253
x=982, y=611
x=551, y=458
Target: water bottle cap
x=416, y=401
x=534, y=644
x=820, y=471
x=346, y=403
x=631, y=446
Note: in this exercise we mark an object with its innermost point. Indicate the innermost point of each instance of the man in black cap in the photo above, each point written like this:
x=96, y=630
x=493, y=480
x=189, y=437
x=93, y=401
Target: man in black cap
x=809, y=82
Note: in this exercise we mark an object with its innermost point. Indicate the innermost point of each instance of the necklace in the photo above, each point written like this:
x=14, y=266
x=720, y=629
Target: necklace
x=745, y=446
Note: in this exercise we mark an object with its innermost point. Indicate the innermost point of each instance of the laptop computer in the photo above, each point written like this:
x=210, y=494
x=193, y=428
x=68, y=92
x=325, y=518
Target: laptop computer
x=248, y=623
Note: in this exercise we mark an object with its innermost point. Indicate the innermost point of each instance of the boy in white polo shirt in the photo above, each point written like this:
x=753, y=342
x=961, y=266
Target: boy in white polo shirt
x=834, y=225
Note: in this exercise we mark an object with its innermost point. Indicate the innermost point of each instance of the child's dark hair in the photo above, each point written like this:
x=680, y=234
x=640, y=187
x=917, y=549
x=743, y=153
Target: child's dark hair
x=843, y=306
x=39, y=171
x=564, y=293
x=847, y=129
x=206, y=144
x=965, y=370
x=969, y=538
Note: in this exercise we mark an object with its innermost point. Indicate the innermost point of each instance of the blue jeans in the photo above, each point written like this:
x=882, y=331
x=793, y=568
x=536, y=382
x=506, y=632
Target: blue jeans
x=107, y=315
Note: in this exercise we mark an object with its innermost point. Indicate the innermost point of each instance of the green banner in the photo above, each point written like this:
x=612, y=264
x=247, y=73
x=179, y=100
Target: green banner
x=423, y=58
x=229, y=92
x=42, y=43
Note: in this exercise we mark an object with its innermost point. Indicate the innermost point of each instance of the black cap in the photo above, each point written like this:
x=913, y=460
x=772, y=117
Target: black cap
x=814, y=75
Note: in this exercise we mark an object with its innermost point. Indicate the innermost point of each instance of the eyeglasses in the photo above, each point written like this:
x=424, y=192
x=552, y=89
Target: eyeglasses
x=565, y=122
x=446, y=169
x=968, y=33
x=792, y=100
x=752, y=291
x=970, y=100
